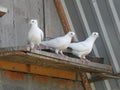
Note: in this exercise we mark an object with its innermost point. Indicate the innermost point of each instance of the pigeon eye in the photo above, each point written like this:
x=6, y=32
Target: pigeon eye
x=32, y=21
x=71, y=34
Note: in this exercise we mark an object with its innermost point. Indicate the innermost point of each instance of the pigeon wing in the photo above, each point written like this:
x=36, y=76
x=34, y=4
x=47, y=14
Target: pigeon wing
x=41, y=34
x=54, y=43
x=80, y=47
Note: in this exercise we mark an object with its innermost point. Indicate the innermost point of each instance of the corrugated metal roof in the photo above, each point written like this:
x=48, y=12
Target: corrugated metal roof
x=102, y=16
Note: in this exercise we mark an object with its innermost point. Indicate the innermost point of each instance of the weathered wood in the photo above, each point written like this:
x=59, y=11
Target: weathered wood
x=53, y=72
x=3, y=11
x=62, y=15
x=85, y=81
x=39, y=59
x=12, y=49
x=94, y=67
x=14, y=25
x=53, y=26
x=103, y=76
x=52, y=60
x=13, y=66
x=21, y=18
x=7, y=32
x=34, y=69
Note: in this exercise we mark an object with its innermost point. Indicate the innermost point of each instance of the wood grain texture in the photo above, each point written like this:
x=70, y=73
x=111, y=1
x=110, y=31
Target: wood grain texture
x=57, y=61
x=7, y=33
x=34, y=69
x=62, y=15
x=103, y=76
x=53, y=72
x=85, y=81
x=53, y=26
x=41, y=62
x=15, y=24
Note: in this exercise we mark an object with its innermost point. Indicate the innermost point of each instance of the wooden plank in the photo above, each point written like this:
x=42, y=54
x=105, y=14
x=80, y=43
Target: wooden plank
x=35, y=69
x=62, y=16
x=3, y=11
x=31, y=66
x=12, y=53
x=13, y=66
x=7, y=33
x=35, y=11
x=85, y=81
x=103, y=76
x=13, y=49
x=51, y=59
x=53, y=72
x=53, y=26
x=24, y=11
x=94, y=67
x=21, y=21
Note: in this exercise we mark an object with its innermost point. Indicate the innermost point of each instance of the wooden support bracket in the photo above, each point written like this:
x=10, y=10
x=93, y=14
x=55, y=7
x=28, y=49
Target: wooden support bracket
x=62, y=15
x=85, y=81
x=103, y=76
x=3, y=11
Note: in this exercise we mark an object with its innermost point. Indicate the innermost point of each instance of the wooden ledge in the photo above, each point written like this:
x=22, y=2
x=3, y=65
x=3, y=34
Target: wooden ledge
x=3, y=11
x=37, y=57
x=37, y=61
x=71, y=63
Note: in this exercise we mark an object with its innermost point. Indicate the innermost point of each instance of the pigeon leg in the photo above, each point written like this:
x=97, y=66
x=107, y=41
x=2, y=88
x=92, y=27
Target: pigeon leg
x=31, y=46
x=86, y=61
x=38, y=46
x=82, y=59
x=61, y=52
x=56, y=51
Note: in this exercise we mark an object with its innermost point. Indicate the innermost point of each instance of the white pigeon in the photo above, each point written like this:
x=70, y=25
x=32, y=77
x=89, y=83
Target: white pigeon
x=59, y=43
x=35, y=35
x=83, y=48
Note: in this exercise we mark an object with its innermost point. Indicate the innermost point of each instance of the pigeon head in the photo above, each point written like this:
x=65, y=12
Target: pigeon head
x=33, y=22
x=95, y=34
x=71, y=34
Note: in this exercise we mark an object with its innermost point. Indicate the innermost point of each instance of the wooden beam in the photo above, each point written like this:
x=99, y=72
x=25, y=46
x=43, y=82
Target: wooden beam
x=12, y=53
x=3, y=11
x=85, y=81
x=72, y=62
x=13, y=49
x=35, y=69
x=43, y=58
x=53, y=72
x=103, y=76
x=62, y=15
x=13, y=66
